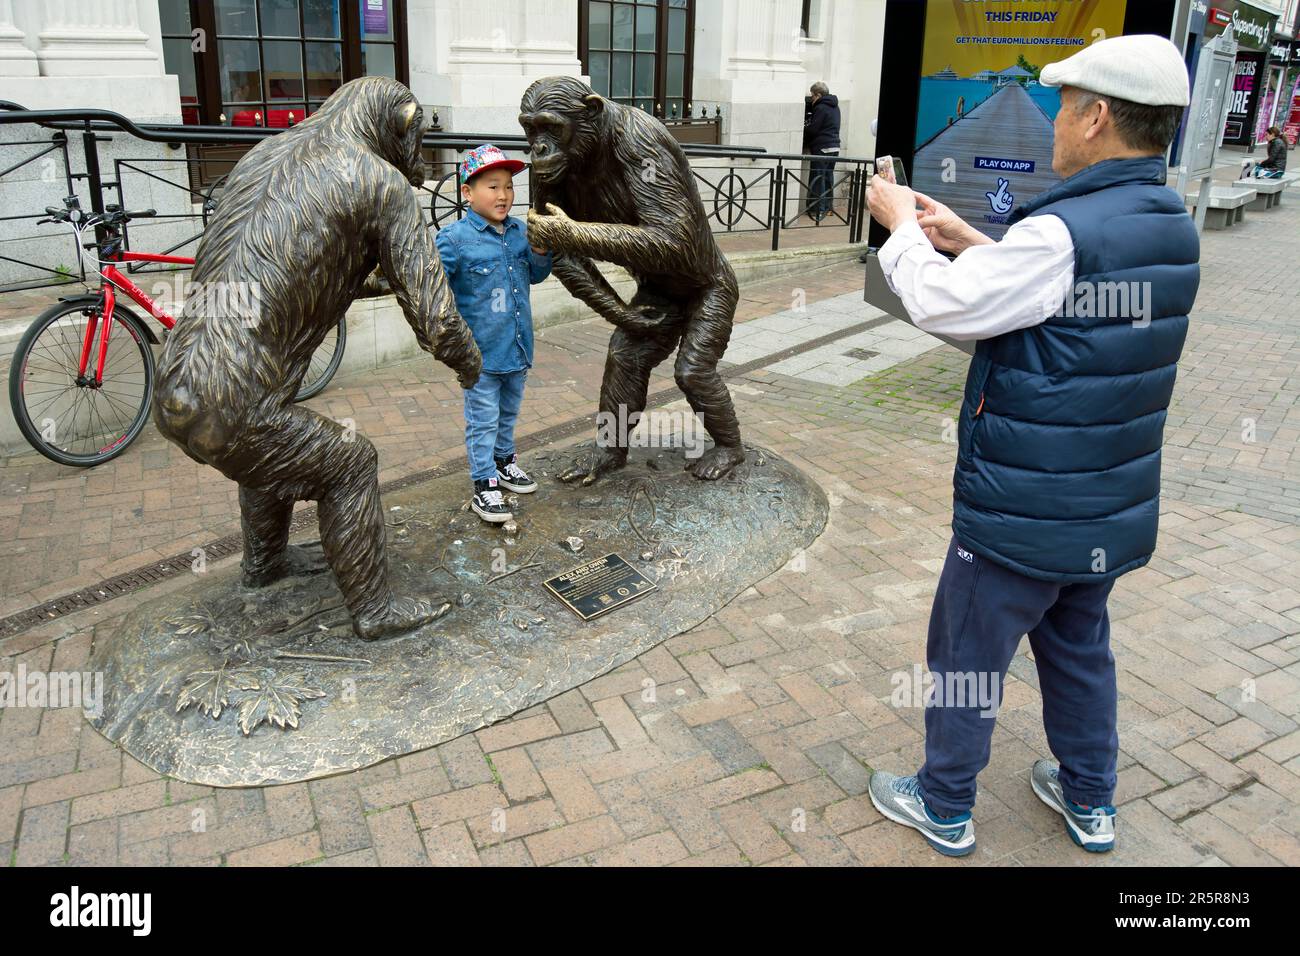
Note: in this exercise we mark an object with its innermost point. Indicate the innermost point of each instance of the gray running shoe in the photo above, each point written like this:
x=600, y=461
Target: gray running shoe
x=1092, y=828
x=899, y=799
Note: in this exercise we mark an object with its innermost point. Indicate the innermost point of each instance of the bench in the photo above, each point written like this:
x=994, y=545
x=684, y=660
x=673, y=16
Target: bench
x=1269, y=190
x=1227, y=205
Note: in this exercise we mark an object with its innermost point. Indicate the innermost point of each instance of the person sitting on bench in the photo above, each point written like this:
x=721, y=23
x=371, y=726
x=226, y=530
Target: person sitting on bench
x=1275, y=165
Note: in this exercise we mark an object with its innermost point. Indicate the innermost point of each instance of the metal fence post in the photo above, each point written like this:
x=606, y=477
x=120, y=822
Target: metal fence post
x=853, y=200
x=89, y=145
x=862, y=204
x=778, y=200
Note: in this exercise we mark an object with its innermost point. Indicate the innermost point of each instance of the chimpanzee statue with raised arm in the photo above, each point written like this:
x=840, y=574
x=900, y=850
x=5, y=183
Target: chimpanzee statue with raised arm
x=610, y=183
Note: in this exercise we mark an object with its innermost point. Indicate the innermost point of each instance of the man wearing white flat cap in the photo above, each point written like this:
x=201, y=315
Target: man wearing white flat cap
x=1080, y=314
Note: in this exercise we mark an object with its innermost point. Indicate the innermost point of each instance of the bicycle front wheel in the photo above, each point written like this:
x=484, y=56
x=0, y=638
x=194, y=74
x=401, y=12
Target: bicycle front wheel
x=325, y=361
x=77, y=421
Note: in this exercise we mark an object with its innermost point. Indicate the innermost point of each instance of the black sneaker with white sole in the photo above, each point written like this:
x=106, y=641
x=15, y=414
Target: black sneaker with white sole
x=488, y=502
x=511, y=476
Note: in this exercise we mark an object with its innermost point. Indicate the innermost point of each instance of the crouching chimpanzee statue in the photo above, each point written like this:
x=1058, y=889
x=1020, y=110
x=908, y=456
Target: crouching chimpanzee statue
x=626, y=184
x=305, y=217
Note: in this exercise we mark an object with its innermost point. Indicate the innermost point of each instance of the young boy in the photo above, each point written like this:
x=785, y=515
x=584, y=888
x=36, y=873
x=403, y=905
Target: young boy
x=490, y=265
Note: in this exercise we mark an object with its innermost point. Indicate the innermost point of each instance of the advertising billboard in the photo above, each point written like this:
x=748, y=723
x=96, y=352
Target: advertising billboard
x=983, y=142
x=1245, y=92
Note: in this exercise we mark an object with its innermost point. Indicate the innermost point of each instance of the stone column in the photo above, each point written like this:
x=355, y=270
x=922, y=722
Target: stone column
x=15, y=58
x=94, y=38
x=757, y=75
x=476, y=59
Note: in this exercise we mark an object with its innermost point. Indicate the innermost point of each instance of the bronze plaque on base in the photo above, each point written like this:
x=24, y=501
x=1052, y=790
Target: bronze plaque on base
x=599, y=586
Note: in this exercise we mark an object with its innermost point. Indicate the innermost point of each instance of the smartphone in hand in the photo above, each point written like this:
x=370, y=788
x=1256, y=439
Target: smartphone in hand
x=891, y=168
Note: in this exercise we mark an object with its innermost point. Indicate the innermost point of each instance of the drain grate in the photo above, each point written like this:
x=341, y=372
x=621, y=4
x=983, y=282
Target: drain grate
x=131, y=581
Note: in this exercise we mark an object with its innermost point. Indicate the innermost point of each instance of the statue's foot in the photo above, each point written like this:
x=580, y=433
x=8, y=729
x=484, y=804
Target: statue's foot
x=716, y=462
x=593, y=463
x=294, y=561
x=399, y=615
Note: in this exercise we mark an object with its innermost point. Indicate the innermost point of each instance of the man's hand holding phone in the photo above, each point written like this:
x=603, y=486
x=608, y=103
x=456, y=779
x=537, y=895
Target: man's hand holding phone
x=946, y=231
x=891, y=202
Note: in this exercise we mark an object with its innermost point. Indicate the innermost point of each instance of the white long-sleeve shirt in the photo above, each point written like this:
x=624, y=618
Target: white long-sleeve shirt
x=987, y=290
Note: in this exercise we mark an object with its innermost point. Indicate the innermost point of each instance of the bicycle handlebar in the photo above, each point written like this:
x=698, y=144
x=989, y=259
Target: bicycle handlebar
x=112, y=216
x=115, y=212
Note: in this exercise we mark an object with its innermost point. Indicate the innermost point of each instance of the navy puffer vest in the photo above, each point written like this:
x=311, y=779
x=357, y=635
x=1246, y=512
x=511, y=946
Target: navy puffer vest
x=1058, y=462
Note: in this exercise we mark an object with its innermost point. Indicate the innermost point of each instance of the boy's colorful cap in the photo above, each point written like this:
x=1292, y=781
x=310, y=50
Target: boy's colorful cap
x=487, y=157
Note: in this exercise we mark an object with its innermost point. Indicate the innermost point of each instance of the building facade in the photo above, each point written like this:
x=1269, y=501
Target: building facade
x=1264, y=80
x=270, y=62
x=244, y=63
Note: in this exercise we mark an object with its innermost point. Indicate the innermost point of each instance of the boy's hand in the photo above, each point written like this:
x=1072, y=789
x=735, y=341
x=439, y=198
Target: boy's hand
x=540, y=252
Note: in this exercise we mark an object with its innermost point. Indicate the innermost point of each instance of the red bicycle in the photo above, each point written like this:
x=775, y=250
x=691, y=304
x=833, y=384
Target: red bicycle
x=64, y=399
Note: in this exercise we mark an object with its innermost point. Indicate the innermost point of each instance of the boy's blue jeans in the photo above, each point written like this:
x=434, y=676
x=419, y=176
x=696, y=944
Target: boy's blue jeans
x=491, y=408
x=981, y=611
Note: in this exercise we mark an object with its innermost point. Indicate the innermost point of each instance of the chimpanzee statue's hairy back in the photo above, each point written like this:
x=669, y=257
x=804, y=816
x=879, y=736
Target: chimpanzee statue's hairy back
x=305, y=217
x=615, y=186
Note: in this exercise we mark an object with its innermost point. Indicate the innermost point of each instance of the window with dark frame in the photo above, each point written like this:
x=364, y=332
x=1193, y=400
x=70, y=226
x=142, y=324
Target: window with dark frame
x=810, y=18
x=638, y=52
x=379, y=25
x=273, y=62
x=179, y=56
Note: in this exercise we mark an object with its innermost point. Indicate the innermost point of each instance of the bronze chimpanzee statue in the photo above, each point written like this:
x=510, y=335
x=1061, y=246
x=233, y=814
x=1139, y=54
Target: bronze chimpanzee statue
x=305, y=217
x=632, y=197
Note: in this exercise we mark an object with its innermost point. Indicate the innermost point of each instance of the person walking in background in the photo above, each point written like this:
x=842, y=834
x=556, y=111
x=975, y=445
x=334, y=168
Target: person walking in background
x=821, y=137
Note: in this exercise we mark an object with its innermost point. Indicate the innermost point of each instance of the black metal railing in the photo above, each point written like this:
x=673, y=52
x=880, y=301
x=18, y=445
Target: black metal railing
x=748, y=191
x=55, y=168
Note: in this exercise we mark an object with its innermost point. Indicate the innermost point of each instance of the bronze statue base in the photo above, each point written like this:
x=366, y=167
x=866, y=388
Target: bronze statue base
x=228, y=686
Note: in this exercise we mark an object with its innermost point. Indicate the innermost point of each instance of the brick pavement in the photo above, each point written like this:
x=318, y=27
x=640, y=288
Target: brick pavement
x=765, y=719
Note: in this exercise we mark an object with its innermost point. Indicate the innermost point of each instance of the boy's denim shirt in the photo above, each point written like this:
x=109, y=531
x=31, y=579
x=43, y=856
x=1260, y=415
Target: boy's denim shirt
x=489, y=274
